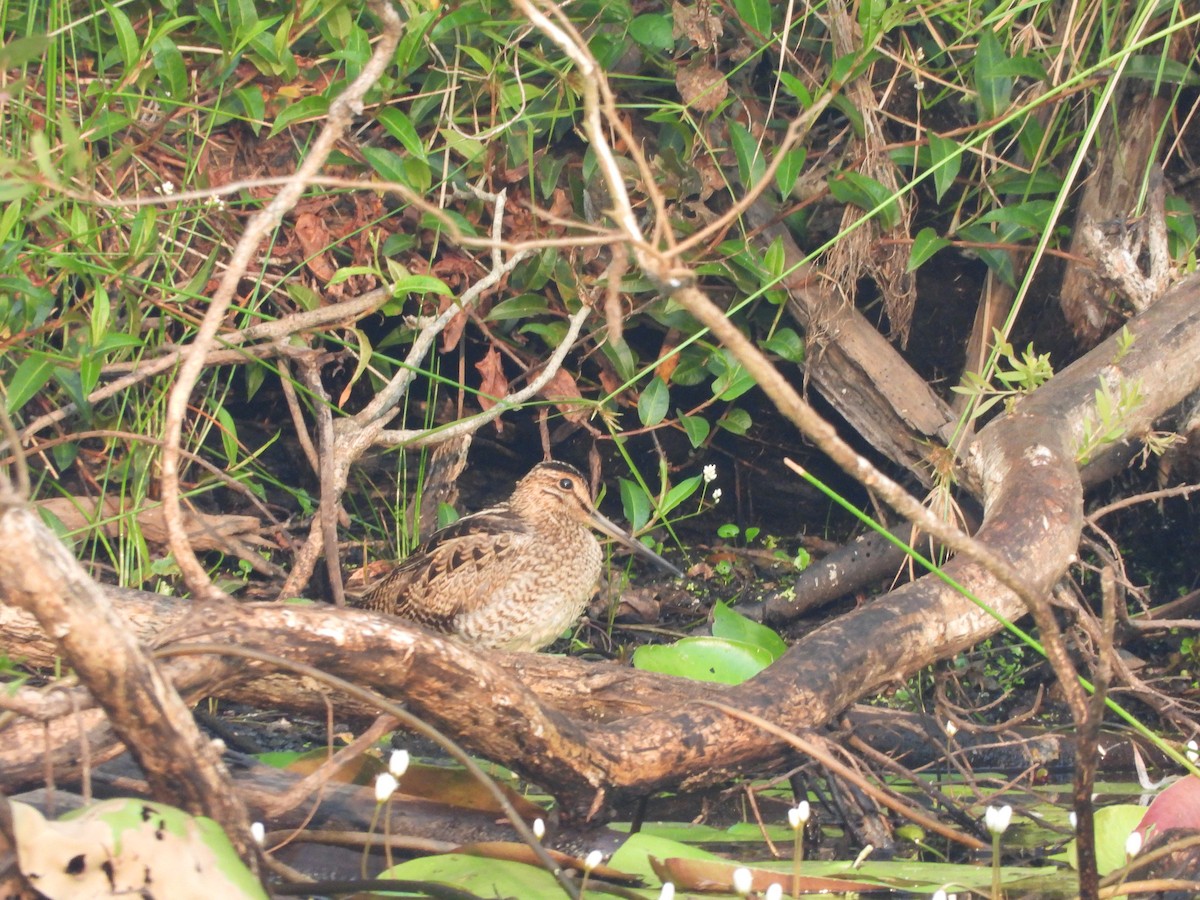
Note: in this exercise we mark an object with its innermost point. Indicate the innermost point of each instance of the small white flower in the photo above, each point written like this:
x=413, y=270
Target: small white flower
x=1133, y=843
x=774, y=892
x=385, y=786
x=667, y=892
x=216, y=202
x=258, y=832
x=951, y=729
x=710, y=474
x=997, y=818
x=743, y=881
x=798, y=815
x=593, y=859
x=539, y=828
x=1193, y=752
x=398, y=763
x=168, y=188
x=716, y=496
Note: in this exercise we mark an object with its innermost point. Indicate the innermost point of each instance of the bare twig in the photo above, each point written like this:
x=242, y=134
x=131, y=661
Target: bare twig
x=341, y=112
x=265, y=331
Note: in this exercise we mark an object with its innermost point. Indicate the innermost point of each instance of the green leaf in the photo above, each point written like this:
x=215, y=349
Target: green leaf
x=789, y=170
x=635, y=504
x=696, y=428
x=997, y=259
x=254, y=107
x=993, y=86
x=619, y=354
x=678, y=494
x=23, y=50
x=387, y=165
x=751, y=164
x=420, y=284
x=867, y=193
x=732, y=378
x=734, y=626
x=308, y=108
x=638, y=852
x=468, y=148
x=33, y=372
x=773, y=261
x=523, y=306
x=228, y=431
x=946, y=162
x=128, y=44
x=400, y=127
x=1113, y=825
x=756, y=14
x=101, y=310
x=1158, y=70
x=653, y=31
x=925, y=244
x=654, y=402
x=479, y=876
x=736, y=421
x=170, y=67
x=704, y=659
x=796, y=88
x=787, y=344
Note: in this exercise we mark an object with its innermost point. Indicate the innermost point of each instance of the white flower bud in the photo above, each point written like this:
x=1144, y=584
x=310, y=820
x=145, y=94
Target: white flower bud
x=1133, y=843
x=997, y=818
x=798, y=815
x=743, y=880
x=385, y=786
x=398, y=763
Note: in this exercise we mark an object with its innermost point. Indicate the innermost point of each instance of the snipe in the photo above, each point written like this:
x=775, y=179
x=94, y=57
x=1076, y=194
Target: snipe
x=514, y=576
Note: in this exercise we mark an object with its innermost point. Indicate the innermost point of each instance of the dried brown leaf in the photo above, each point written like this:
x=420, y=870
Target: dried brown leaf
x=697, y=23
x=314, y=239
x=701, y=86
x=562, y=389
x=493, y=385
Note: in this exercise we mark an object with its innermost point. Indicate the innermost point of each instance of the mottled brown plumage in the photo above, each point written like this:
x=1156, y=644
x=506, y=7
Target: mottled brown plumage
x=514, y=576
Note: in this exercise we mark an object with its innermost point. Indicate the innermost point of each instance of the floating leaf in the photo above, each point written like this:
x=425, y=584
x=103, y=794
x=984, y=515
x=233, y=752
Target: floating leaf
x=704, y=659
x=733, y=626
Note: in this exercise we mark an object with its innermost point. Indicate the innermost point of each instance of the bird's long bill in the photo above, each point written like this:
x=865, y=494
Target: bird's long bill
x=640, y=549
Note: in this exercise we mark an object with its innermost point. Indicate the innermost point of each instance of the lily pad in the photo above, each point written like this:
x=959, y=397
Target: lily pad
x=705, y=659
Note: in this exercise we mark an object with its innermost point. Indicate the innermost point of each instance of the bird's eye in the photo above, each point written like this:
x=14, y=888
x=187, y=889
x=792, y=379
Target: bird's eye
x=565, y=483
